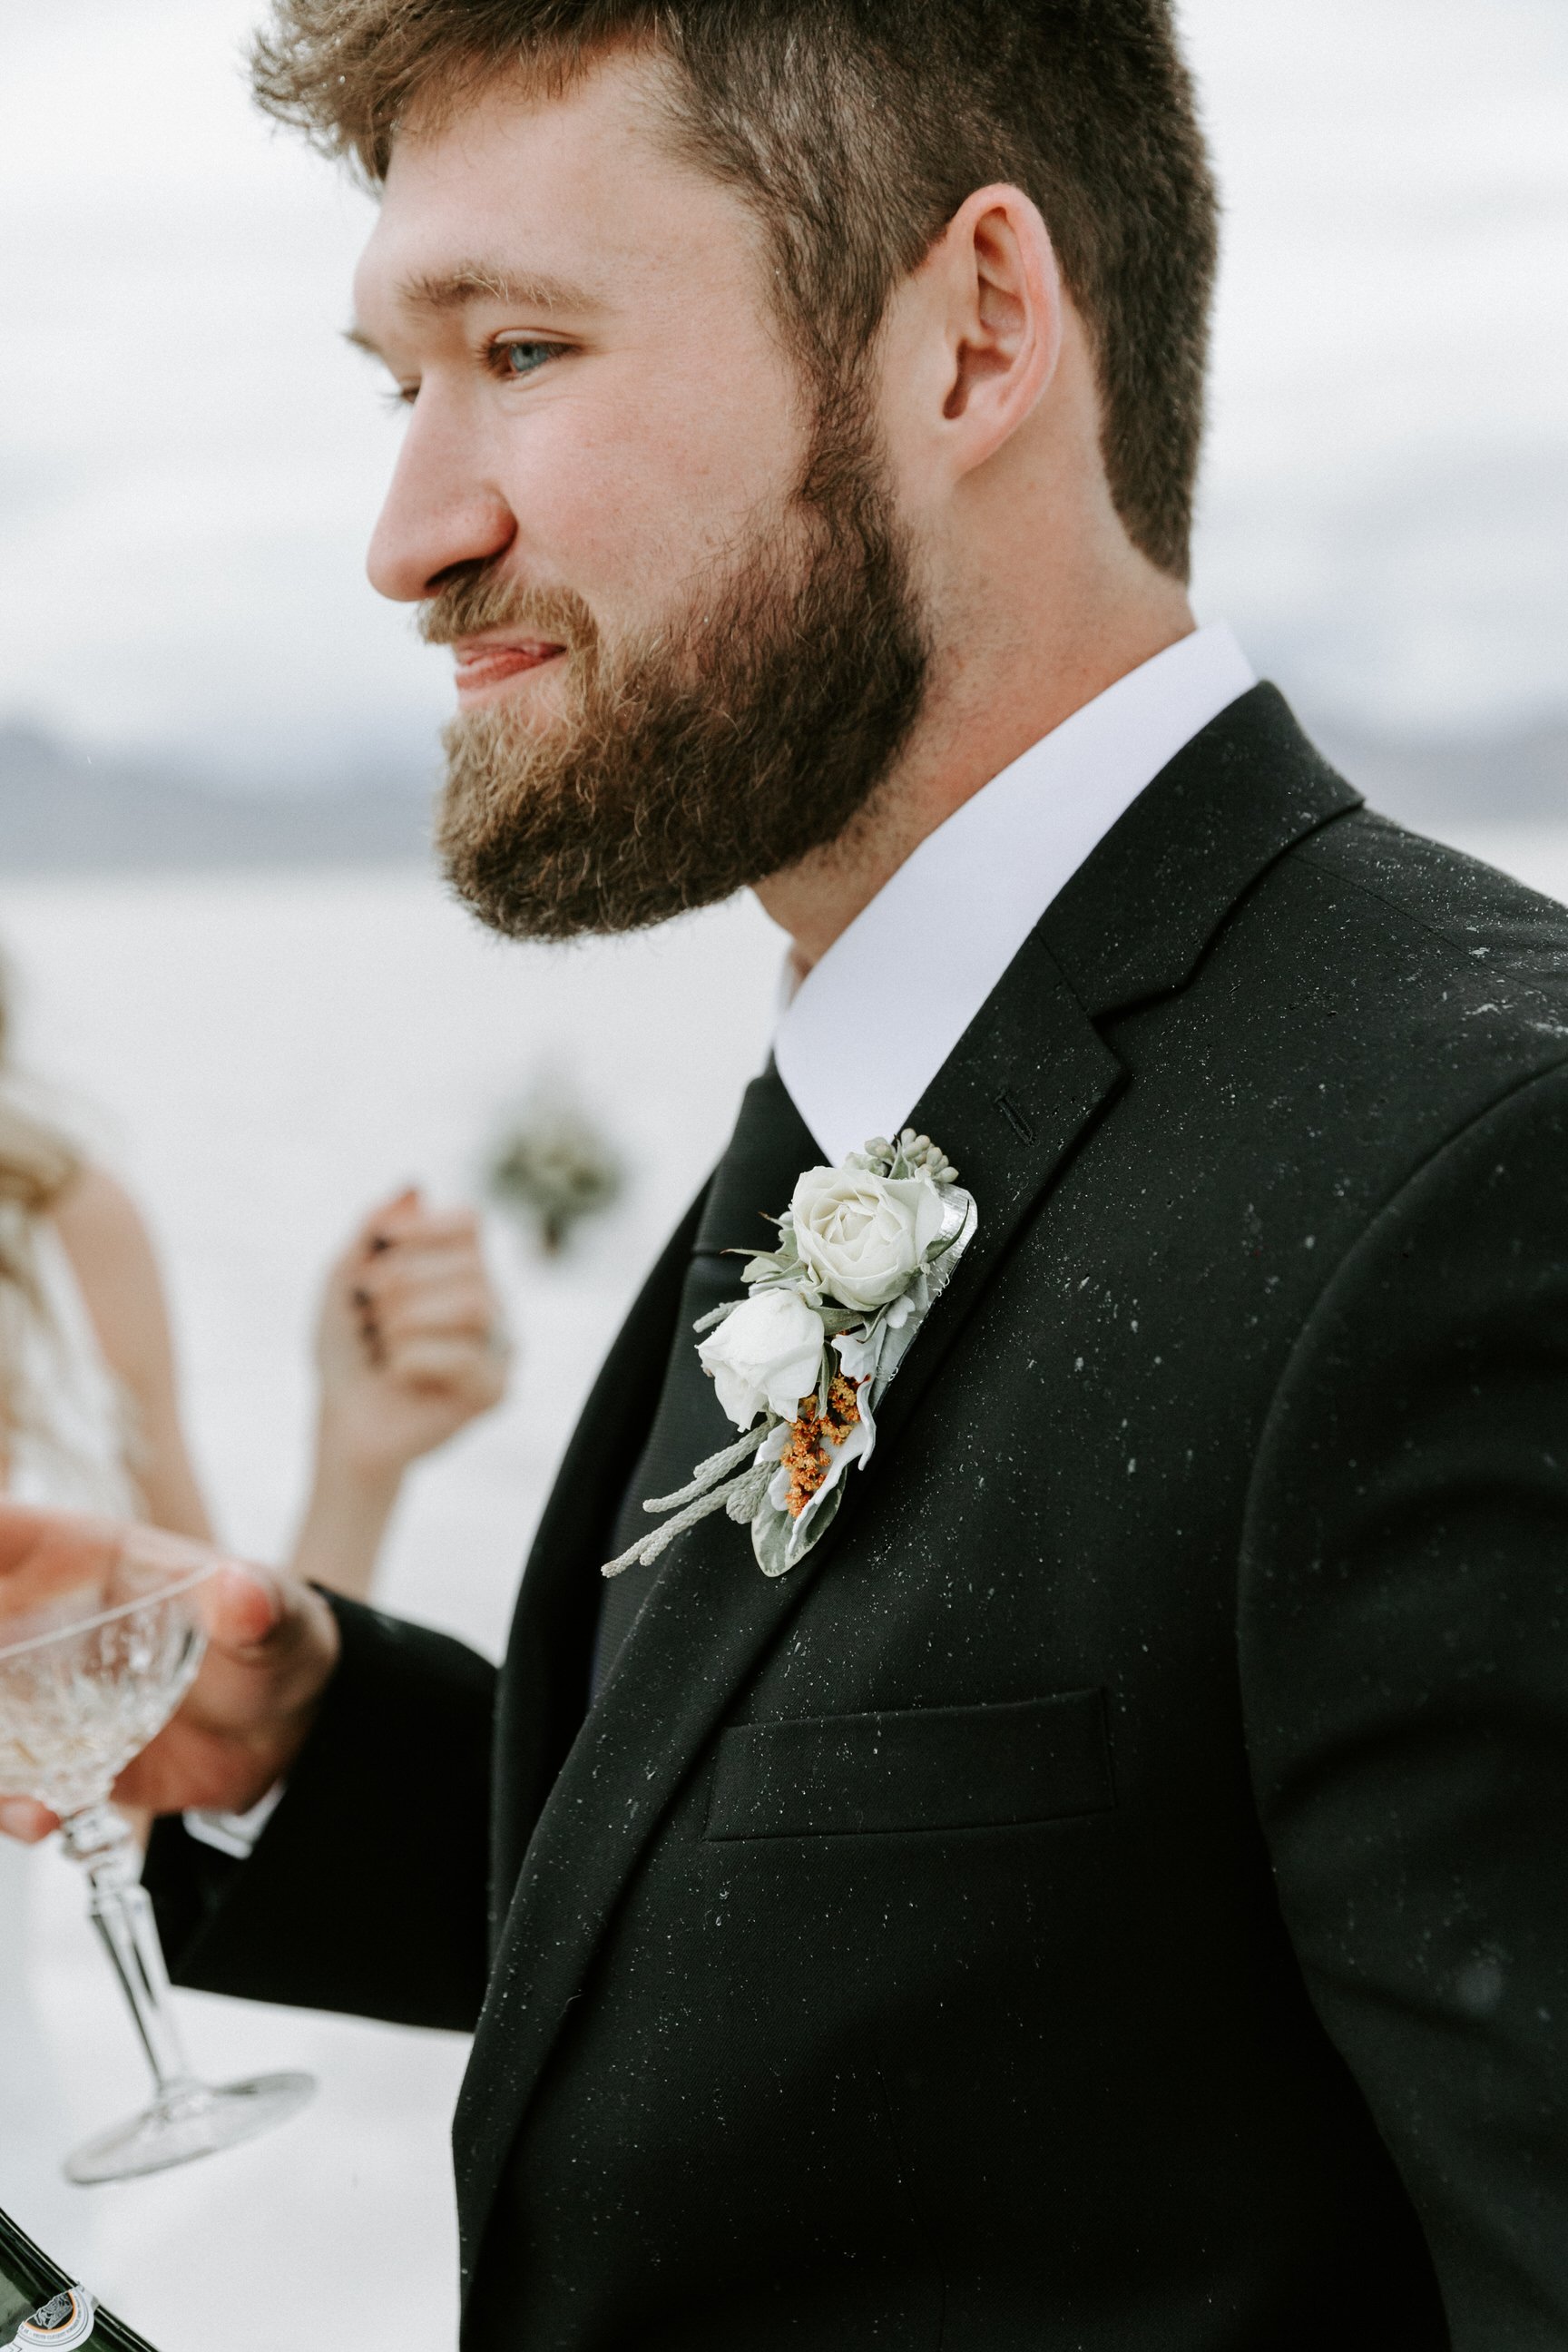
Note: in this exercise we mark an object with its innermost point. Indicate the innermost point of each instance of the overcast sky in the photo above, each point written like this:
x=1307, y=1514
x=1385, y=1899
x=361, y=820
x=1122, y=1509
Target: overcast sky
x=190, y=458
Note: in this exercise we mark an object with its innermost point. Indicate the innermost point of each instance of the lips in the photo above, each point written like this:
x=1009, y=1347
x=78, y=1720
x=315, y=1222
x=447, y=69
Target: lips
x=491, y=662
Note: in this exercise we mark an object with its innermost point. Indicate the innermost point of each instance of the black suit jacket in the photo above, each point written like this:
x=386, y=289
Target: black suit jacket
x=1110, y=1895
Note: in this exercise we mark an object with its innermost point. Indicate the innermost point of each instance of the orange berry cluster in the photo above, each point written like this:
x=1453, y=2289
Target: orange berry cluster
x=806, y=1456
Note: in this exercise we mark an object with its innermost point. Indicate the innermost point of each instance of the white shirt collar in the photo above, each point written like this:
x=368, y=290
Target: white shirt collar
x=873, y=1021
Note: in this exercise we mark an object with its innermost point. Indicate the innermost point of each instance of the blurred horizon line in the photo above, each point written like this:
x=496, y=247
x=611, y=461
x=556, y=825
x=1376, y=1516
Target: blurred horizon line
x=64, y=808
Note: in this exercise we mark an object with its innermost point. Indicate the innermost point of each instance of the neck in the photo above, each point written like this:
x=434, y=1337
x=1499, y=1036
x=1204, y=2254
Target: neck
x=979, y=716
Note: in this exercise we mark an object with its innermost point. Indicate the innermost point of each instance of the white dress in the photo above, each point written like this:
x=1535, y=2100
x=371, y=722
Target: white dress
x=69, y=1447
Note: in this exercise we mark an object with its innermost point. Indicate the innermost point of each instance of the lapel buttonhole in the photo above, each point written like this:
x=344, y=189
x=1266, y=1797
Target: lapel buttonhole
x=1022, y=1126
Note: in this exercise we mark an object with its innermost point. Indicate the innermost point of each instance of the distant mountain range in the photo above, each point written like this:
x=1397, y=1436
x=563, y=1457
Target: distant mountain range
x=61, y=811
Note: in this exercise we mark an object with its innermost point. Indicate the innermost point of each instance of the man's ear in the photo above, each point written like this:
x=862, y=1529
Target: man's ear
x=1003, y=311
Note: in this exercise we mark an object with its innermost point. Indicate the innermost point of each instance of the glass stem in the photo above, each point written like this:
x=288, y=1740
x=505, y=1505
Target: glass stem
x=101, y=1840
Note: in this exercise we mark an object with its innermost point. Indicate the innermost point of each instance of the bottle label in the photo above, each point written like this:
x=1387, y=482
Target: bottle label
x=61, y=2324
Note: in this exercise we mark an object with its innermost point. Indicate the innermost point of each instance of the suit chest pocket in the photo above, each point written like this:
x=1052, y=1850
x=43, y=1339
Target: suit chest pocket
x=950, y=1768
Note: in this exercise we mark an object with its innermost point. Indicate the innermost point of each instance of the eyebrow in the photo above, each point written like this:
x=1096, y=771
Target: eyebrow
x=438, y=293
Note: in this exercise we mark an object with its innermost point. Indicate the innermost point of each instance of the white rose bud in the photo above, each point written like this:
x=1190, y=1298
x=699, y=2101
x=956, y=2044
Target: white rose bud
x=863, y=1237
x=768, y=1353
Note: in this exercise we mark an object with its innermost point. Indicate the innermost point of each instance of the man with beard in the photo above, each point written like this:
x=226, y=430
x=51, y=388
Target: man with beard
x=1109, y=1892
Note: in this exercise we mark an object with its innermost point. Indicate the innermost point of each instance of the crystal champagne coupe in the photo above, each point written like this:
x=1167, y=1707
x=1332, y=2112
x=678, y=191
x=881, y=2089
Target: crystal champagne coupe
x=98, y=1644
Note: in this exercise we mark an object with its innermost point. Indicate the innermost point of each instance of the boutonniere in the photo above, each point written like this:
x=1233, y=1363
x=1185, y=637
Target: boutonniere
x=803, y=1361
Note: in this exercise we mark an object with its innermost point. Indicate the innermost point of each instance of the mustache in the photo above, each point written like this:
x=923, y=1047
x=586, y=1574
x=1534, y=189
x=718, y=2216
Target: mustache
x=468, y=605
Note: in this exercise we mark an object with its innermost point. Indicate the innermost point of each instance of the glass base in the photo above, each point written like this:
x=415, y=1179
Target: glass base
x=188, y=2121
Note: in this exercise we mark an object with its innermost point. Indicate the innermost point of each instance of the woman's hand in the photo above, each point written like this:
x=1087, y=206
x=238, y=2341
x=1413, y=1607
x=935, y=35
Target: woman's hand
x=271, y=1650
x=411, y=1344
x=411, y=1347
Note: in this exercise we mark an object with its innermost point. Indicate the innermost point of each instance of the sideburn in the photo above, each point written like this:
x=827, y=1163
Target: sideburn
x=757, y=727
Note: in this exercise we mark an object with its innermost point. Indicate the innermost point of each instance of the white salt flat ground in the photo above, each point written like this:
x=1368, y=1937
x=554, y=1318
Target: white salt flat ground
x=265, y=1056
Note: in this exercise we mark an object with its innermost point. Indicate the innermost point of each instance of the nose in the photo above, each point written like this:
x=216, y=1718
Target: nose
x=440, y=510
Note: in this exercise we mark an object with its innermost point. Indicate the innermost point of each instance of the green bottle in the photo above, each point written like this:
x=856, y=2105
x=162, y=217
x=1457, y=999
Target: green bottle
x=39, y=2306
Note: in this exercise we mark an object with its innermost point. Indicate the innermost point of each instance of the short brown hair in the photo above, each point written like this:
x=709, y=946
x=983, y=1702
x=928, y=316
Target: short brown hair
x=856, y=129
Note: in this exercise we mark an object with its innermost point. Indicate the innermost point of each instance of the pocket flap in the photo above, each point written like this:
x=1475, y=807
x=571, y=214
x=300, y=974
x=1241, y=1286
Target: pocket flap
x=946, y=1768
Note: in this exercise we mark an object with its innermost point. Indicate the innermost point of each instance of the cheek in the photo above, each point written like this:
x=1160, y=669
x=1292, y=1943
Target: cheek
x=627, y=493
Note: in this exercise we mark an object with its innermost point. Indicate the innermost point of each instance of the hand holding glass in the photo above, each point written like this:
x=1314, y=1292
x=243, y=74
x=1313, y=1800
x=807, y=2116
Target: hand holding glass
x=99, y=1640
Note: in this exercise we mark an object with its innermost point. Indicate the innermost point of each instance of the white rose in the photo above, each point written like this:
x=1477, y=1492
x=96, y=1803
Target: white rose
x=864, y=1237
x=767, y=1353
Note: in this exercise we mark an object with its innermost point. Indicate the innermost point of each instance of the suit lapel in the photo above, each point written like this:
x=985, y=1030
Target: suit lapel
x=1034, y=1074
x=549, y=1656
x=1137, y=918
x=1018, y=1095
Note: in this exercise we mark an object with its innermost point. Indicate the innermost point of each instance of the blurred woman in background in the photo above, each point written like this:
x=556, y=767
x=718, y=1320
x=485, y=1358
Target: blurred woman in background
x=409, y=1348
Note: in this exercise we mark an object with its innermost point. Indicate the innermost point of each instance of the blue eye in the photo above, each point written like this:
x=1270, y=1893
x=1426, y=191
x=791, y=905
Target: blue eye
x=523, y=357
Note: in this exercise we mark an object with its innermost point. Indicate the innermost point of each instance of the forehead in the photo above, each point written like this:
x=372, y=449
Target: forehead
x=579, y=192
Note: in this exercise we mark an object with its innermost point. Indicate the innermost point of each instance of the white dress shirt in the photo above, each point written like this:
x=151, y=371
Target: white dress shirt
x=873, y=1021
x=235, y=1834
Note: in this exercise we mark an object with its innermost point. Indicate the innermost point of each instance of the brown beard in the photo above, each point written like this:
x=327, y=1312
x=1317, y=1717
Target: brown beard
x=755, y=726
